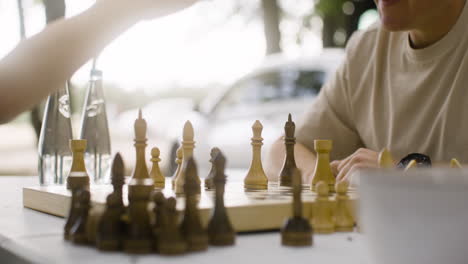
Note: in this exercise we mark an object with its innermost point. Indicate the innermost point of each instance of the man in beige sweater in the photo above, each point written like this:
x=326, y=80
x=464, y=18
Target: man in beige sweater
x=403, y=85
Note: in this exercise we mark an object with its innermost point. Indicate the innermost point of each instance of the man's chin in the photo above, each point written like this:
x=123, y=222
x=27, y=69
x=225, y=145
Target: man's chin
x=393, y=27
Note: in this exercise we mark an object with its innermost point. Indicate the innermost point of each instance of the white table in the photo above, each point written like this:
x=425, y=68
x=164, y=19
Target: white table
x=30, y=236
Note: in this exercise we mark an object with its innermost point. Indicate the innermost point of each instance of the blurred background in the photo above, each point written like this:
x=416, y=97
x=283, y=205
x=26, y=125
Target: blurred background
x=222, y=64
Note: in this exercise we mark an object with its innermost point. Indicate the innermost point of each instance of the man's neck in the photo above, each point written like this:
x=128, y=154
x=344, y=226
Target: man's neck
x=429, y=34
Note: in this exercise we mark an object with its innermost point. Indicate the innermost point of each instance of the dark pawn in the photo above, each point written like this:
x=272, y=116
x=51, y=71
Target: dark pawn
x=158, y=211
x=81, y=208
x=220, y=230
x=297, y=230
x=109, y=233
x=289, y=162
x=194, y=233
x=139, y=239
x=209, y=179
x=72, y=216
x=170, y=239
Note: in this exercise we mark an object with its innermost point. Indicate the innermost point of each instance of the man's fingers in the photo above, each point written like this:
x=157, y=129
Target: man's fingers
x=363, y=165
x=345, y=162
x=334, y=167
x=361, y=157
x=358, y=154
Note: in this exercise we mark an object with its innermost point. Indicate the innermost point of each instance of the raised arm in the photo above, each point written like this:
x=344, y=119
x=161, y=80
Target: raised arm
x=41, y=64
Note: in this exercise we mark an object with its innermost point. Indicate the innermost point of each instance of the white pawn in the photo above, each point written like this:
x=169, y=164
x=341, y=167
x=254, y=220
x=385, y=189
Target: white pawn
x=155, y=174
x=344, y=221
x=322, y=217
x=256, y=178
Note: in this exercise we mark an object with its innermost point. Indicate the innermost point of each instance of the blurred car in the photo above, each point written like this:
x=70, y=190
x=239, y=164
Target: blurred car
x=279, y=86
x=270, y=92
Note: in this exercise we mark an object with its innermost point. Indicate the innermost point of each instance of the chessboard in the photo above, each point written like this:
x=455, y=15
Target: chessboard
x=248, y=210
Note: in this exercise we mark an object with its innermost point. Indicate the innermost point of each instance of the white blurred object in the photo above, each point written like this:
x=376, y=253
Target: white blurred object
x=419, y=216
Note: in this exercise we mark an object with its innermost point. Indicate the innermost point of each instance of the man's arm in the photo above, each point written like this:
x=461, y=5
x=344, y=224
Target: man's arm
x=305, y=161
x=41, y=64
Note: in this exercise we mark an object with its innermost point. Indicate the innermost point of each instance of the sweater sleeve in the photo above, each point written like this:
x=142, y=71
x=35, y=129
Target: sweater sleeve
x=330, y=114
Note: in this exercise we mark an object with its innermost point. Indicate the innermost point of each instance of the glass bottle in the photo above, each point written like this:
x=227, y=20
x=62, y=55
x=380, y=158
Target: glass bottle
x=94, y=128
x=54, y=153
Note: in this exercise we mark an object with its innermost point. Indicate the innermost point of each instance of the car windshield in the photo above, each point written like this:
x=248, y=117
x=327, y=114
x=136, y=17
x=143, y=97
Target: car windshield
x=276, y=85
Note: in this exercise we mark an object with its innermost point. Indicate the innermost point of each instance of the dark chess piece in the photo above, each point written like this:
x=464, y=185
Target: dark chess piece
x=77, y=179
x=289, y=162
x=158, y=210
x=139, y=238
x=71, y=218
x=110, y=229
x=170, y=239
x=220, y=230
x=192, y=229
x=81, y=207
x=209, y=179
x=297, y=230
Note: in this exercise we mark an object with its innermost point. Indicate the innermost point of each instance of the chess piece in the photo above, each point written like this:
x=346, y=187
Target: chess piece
x=455, y=164
x=194, y=233
x=158, y=213
x=256, y=178
x=322, y=218
x=344, y=221
x=220, y=229
x=411, y=164
x=170, y=239
x=178, y=161
x=109, y=234
x=386, y=159
x=71, y=217
x=81, y=206
x=118, y=178
x=155, y=174
x=289, y=162
x=296, y=231
x=141, y=170
x=209, y=179
x=78, y=177
x=94, y=217
x=139, y=238
x=187, y=148
x=323, y=170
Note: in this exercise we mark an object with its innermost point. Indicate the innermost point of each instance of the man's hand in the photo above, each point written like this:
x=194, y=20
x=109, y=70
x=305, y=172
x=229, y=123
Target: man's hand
x=362, y=158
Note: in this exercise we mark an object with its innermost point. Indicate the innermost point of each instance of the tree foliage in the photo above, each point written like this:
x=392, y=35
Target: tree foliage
x=330, y=8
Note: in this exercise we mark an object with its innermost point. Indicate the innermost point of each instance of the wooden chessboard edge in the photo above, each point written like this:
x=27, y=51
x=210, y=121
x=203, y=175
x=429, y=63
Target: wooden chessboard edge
x=245, y=218
x=45, y=202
